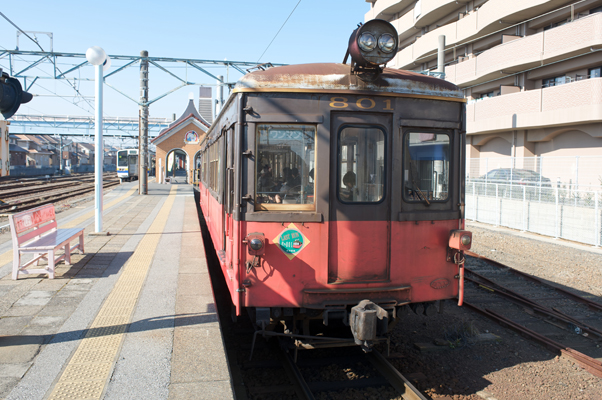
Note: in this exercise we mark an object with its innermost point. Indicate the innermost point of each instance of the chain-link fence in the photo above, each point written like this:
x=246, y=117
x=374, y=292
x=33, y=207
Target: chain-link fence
x=555, y=211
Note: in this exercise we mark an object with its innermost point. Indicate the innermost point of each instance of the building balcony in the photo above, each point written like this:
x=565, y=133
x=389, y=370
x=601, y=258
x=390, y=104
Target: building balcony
x=490, y=17
x=432, y=11
x=384, y=9
x=569, y=104
x=569, y=40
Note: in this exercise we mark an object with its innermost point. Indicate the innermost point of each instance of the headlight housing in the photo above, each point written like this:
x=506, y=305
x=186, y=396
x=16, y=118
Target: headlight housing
x=373, y=44
x=256, y=243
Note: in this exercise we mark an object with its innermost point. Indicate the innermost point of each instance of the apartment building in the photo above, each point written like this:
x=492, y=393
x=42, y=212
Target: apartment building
x=531, y=71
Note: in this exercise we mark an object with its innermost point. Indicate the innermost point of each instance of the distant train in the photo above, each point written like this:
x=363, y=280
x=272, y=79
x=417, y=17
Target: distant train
x=336, y=192
x=127, y=164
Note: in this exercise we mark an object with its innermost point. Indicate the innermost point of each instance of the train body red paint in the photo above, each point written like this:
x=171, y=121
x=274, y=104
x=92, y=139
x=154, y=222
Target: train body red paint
x=321, y=189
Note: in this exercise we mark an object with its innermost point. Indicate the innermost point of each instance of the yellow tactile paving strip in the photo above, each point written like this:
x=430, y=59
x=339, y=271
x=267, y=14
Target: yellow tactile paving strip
x=88, y=370
x=7, y=257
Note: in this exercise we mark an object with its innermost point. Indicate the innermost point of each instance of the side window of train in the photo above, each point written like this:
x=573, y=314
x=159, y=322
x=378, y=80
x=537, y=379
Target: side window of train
x=426, y=166
x=361, y=164
x=284, y=167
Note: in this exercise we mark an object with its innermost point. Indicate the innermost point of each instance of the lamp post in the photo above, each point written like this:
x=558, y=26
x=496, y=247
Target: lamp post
x=97, y=57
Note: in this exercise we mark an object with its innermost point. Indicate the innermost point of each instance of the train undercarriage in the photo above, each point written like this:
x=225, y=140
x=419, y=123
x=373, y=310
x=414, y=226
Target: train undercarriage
x=364, y=324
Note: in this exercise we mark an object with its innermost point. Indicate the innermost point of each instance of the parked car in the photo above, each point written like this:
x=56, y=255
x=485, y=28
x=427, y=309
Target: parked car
x=514, y=176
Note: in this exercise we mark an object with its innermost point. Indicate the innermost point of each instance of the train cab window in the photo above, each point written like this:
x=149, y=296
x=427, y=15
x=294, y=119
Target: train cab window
x=361, y=166
x=122, y=159
x=426, y=167
x=285, y=164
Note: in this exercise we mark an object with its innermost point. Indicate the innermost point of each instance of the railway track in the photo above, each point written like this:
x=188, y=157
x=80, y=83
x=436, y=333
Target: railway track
x=334, y=373
x=562, y=321
x=19, y=196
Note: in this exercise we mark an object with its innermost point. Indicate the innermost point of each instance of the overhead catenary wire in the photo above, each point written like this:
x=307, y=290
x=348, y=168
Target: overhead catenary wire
x=21, y=30
x=37, y=67
x=287, y=18
x=38, y=44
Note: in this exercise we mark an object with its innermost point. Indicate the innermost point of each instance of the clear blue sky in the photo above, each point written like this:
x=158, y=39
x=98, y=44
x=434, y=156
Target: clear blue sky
x=317, y=31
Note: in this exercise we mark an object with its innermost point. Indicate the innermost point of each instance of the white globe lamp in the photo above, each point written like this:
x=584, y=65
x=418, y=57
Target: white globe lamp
x=107, y=64
x=96, y=55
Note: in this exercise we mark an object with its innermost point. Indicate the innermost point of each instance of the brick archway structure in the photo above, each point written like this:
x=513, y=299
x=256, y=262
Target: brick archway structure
x=185, y=133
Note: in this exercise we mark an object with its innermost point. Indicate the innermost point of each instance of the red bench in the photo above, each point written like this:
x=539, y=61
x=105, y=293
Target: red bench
x=35, y=231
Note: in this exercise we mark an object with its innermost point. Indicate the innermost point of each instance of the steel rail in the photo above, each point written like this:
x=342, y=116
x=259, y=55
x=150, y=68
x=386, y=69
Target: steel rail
x=590, y=364
x=589, y=303
x=394, y=377
x=11, y=208
x=22, y=191
x=523, y=301
x=301, y=387
x=13, y=182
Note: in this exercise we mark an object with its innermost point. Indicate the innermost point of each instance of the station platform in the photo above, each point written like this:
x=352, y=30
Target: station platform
x=133, y=318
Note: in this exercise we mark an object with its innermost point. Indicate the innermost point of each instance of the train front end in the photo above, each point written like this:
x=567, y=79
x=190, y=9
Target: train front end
x=349, y=185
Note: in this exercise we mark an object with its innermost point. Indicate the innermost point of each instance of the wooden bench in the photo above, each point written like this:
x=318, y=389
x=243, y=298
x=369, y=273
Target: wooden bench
x=35, y=231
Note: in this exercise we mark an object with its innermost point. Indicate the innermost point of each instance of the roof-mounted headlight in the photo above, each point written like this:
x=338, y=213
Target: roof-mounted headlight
x=370, y=46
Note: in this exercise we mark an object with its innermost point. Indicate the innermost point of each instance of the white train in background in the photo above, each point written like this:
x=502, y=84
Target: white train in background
x=127, y=164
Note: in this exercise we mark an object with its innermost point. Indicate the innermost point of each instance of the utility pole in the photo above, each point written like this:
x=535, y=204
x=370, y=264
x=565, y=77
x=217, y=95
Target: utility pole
x=143, y=136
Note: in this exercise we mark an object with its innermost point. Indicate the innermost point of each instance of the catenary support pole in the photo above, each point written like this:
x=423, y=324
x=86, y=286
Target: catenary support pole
x=143, y=136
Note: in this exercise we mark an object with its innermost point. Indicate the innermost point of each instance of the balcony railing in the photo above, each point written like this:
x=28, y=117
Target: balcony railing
x=542, y=47
x=575, y=102
x=483, y=21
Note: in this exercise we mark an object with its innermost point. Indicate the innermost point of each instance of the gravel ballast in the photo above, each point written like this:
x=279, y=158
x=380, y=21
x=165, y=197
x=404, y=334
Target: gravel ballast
x=510, y=366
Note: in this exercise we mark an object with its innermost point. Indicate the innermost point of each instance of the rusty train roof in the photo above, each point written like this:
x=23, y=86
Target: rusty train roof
x=333, y=78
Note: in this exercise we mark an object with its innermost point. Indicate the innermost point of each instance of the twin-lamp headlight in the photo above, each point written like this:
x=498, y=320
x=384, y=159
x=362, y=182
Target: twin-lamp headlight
x=367, y=42
x=373, y=44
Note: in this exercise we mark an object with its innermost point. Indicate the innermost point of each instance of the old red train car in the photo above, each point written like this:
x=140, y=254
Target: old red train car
x=335, y=191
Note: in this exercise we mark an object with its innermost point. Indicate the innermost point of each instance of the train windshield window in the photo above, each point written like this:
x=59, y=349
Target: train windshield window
x=426, y=167
x=122, y=159
x=285, y=166
x=361, y=169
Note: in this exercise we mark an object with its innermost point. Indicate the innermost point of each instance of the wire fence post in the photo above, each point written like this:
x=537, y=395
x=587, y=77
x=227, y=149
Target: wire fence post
x=596, y=221
x=524, y=207
x=497, y=206
x=540, y=175
x=474, y=202
x=556, y=216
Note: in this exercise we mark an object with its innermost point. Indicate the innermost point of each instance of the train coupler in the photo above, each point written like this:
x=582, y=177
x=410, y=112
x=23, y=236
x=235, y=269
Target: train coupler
x=367, y=320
